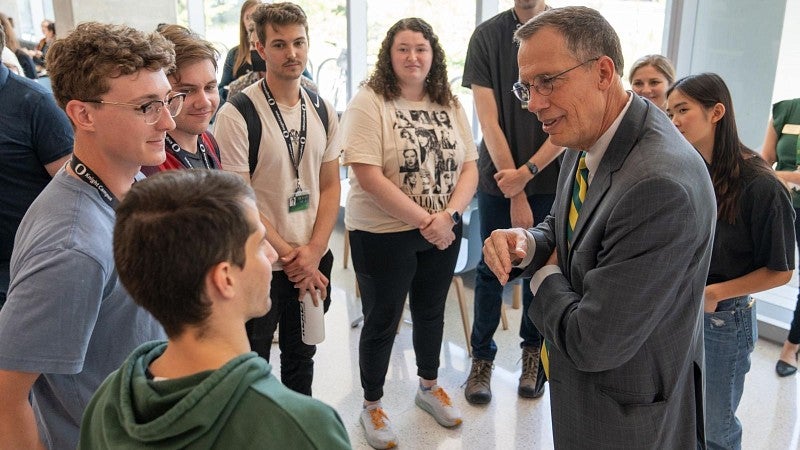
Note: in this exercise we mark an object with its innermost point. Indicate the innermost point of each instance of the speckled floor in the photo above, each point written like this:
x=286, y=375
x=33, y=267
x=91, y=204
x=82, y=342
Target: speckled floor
x=769, y=409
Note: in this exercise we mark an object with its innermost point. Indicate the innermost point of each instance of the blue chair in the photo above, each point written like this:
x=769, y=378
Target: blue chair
x=468, y=257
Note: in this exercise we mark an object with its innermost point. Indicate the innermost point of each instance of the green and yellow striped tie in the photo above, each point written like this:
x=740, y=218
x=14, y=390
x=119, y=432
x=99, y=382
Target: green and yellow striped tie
x=578, y=196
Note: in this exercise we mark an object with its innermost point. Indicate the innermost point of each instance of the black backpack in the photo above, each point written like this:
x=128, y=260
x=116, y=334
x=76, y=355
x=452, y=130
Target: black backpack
x=245, y=106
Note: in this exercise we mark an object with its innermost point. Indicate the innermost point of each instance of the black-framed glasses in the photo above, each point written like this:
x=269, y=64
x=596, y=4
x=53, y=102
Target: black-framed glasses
x=541, y=84
x=152, y=109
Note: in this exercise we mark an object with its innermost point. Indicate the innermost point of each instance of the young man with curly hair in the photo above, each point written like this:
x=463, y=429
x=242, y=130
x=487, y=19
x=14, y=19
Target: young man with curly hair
x=68, y=322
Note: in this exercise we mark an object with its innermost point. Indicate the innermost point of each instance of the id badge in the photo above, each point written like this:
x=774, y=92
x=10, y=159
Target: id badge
x=299, y=201
x=791, y=128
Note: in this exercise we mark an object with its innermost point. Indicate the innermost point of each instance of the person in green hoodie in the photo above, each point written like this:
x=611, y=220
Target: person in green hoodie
x=190, y=249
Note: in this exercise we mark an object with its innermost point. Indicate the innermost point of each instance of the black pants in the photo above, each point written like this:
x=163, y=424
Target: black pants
x=794, y=330
x=297, y=363
x=388, y=267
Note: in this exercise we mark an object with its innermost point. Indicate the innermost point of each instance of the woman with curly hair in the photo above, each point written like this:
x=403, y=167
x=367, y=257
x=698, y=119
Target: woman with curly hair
x=753, y=244
x=404, y=241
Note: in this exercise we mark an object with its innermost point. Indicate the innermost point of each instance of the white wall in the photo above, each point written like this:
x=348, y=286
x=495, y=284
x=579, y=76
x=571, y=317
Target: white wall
x=739, y=40
x=141, y=14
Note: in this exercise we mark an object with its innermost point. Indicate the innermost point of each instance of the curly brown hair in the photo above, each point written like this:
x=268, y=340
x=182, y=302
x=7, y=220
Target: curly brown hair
x=80, y=64
x=384, y=81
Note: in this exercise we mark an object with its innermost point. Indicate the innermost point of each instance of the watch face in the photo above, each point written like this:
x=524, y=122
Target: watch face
x=532, y=167
x=456, y=217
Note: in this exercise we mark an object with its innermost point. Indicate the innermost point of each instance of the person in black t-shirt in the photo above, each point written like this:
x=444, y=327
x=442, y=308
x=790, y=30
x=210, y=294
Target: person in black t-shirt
x=753, y=244
x=517, y=175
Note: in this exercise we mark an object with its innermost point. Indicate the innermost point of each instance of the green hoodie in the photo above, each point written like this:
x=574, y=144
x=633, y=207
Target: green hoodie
x=240, y=405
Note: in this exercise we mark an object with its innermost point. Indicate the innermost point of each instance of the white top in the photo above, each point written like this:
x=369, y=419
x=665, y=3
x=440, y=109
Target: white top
x=274, y=180
x=10, y=59
x=421, y=147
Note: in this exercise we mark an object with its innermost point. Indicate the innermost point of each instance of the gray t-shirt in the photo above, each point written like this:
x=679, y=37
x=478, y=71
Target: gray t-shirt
x=67, y=315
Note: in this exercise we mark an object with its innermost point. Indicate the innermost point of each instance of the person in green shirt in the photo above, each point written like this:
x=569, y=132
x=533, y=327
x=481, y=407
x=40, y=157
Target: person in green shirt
x=190, y=249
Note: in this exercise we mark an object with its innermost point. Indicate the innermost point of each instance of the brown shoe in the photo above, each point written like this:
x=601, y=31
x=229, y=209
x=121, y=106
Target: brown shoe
x=528, y=387
x=479, y=389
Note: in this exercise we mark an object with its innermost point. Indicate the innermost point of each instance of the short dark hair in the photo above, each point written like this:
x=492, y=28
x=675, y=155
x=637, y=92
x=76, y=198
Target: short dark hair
x=587, y=33
x=171, y=229
x=277, y=14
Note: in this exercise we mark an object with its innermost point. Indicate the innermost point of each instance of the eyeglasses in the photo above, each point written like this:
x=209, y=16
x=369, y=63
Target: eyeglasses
x=541, y=84
x=152, y=109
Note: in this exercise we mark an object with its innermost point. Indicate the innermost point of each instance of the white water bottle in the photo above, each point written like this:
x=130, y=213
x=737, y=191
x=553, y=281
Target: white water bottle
x=312, y=320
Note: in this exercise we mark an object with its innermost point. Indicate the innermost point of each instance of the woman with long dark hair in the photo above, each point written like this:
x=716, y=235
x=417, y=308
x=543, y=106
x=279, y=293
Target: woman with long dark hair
x=238, y=62
x=405, y=240
x=753, y=244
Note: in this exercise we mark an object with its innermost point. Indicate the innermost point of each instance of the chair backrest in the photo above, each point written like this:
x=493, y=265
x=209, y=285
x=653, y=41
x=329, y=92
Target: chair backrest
x=471, y=242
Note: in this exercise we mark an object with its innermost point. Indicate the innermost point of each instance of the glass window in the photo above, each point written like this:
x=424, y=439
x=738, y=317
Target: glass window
x=639, y=23
x=442, y=15
x=327, y=24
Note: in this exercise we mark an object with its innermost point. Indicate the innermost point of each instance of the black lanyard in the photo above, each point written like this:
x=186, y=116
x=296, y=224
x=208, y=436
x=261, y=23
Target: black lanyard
x=273, y=105
x=87, y=175
x=183, y=156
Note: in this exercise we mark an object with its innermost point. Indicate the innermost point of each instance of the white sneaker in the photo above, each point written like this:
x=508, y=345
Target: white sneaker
x=437, y=403
x=377, y=427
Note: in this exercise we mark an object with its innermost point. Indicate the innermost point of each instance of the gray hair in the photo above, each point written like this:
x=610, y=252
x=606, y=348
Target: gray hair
x=586, y=32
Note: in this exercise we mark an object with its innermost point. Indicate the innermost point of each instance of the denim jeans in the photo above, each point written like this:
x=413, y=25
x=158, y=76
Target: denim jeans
x=494, y=214
x=730, y=334
x=794, y=329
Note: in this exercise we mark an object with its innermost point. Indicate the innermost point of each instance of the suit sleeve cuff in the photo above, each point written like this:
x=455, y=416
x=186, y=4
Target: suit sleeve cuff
x=538, y=277
x=530, y=250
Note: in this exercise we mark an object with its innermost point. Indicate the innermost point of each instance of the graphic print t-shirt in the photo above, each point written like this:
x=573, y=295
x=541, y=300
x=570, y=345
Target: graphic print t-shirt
x=420, y=146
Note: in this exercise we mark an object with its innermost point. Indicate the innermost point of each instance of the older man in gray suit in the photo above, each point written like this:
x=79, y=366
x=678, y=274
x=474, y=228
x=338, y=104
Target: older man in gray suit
x=618, y=290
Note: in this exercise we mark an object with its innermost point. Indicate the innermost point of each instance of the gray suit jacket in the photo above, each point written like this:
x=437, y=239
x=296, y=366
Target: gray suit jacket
x=624, y=322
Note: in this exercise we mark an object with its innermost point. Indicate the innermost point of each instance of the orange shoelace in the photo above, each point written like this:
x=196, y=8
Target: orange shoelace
x=442, y=396
x=377, y=415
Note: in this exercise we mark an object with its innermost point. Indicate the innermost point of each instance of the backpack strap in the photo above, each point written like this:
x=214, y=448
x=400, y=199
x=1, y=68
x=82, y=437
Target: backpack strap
x=319, y=105
x=245, y=106
x=247, y=109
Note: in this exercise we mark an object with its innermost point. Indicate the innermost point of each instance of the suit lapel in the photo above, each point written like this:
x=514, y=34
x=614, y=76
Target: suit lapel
x=620, y=146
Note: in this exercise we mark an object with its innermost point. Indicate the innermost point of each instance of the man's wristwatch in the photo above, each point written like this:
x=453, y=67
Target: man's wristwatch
x=455, y=215
x=532, y=167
